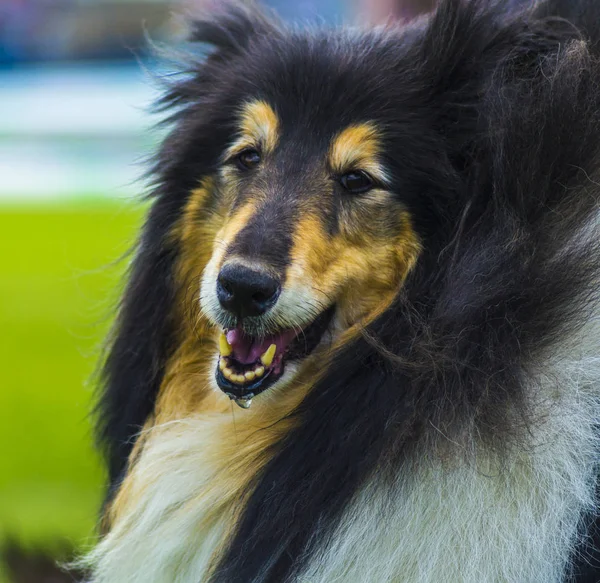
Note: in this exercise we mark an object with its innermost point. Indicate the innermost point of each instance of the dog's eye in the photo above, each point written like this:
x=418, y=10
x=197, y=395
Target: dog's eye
x=356, y=182
x=248, y=159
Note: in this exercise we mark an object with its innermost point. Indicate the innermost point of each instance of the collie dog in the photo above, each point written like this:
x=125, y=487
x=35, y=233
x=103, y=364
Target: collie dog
x=359, y=339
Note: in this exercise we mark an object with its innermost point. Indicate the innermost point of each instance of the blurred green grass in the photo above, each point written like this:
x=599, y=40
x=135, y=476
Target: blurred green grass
x=58, y=287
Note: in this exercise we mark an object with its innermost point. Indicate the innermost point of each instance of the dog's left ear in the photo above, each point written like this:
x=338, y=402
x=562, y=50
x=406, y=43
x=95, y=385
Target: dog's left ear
x=472, y=51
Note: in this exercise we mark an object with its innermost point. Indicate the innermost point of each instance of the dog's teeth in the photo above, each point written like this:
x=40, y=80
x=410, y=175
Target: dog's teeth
x=240, y=379
x=260, y=371
x=222, y=364
x=224, y=347
x=228, y=373
x=267, y=357
x=250, y=375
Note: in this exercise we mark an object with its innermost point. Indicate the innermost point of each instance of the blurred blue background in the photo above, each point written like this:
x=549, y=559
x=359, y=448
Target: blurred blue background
x=74, y=100
x=76, y=86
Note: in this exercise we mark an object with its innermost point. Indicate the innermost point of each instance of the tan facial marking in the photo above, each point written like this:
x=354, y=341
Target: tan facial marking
x=362, y=274
x=186, y=228
x=258, y=128
x=237, y=222
x=357, y=147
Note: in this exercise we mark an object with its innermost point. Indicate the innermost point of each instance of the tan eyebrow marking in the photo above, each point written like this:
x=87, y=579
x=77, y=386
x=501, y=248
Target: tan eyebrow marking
x=357, y=148
x=259, y=127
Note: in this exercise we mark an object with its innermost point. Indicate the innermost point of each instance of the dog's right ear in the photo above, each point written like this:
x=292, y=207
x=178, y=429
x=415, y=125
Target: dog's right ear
x=232, y=27
x=224, y=33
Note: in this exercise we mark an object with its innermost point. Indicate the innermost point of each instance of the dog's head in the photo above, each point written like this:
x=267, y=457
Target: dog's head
x=311, y=237
x=307, y=178
x=310, y=160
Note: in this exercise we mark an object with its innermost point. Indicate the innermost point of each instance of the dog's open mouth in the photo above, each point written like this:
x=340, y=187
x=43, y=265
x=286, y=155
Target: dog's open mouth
x=248, y=365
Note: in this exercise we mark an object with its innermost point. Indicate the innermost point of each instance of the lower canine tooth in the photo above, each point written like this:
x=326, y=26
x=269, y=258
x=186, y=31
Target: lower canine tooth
x=228, y=373
x=222, y=364
x=224, y=347
x=260, y=371
x=267, y=357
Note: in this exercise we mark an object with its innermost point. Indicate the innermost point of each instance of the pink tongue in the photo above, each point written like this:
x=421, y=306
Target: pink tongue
x=247, y=349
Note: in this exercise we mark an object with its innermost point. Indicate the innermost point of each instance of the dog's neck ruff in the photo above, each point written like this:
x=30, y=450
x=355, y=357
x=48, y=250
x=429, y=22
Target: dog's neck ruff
x=470, y=518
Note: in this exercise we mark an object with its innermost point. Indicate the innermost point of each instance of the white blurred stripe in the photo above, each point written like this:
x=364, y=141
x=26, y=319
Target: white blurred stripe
x=74, y=100
x=41, y=171
x=73, y=131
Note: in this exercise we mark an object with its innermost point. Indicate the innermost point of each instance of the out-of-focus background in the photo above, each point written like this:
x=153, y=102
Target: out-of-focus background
x=76, y=84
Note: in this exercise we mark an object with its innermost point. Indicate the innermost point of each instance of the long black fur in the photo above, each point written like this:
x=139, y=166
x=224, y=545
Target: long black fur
x=492, y=122
x=142, y=338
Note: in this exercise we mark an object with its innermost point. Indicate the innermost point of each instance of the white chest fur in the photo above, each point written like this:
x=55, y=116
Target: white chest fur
x=471, y=522
x=176, y=513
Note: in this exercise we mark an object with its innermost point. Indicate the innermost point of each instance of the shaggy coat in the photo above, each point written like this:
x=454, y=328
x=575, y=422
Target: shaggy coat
x=443, y=427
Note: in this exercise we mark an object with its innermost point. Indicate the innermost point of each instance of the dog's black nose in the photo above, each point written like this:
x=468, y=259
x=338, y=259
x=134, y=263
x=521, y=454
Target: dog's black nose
x=246, y=292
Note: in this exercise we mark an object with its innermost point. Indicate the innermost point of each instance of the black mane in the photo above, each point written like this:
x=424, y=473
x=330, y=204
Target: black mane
x=497, y=165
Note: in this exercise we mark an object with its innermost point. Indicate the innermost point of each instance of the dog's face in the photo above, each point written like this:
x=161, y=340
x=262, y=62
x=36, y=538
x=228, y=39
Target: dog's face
x=303, y=227
x=311, y=241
